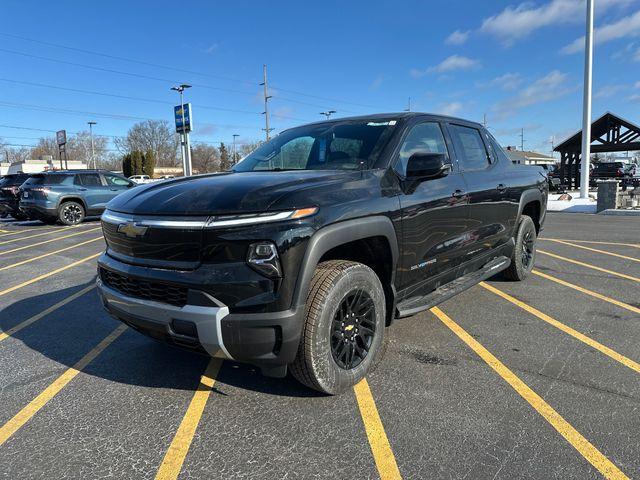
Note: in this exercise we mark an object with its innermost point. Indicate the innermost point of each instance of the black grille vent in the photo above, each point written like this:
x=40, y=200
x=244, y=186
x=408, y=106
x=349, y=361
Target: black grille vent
x=132, y=287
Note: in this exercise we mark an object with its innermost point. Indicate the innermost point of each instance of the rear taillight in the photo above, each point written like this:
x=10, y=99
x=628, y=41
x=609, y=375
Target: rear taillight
x=13, y=190
x=42, y=190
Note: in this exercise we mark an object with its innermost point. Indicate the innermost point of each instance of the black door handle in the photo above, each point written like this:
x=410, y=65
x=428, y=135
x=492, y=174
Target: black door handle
x=502, y=188
x=458, y=193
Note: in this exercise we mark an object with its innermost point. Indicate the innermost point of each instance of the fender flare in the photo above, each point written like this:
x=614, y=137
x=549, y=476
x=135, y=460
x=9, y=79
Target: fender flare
x=528, y=196
x=338, y=234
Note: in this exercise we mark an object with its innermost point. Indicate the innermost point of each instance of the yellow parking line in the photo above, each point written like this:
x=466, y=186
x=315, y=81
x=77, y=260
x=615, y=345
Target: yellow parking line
x=633, y=245
x=49, y=241
x=174, y=458
x=48, y=274
x=28, y=230
x=587, y=265
x=37, y=235
x=24, y=415
x=564, y=428
x=44, y=313
x=596, y=250
x=586, y=291
x=627, y=362
x=380, y=447
x=28, y=260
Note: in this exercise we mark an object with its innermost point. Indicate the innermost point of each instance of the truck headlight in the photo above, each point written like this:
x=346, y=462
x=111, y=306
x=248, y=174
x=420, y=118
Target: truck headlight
x=263, y=258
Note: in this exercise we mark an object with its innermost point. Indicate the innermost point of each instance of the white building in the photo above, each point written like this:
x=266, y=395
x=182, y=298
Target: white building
x=37, y=166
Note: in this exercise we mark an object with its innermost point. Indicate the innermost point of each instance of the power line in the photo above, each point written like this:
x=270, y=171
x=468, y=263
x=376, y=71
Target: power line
x=126, y=59
x=206, y=142
x=199, y=85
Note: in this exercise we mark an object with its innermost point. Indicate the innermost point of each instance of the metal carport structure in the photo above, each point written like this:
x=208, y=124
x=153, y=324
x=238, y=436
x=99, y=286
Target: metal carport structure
x=609, y=133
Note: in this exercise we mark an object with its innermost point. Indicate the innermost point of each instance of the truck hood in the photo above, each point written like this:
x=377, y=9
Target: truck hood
x=225, y=193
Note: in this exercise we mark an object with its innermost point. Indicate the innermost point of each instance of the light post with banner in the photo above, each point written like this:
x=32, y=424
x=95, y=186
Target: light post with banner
x=183, y=119
x=61, y=139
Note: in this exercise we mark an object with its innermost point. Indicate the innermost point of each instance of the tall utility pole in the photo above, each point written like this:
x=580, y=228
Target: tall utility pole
x=408, y=109
x=235, y=157
x=266, y=102
x=93, y=155
x=484, y=120
x=586, y=106
x=184, y=135
x=522, y=140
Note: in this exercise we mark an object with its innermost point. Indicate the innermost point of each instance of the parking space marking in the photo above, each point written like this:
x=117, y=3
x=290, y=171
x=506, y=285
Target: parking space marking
x=28, y=230
x=378, y=441
x=48, y=274
x=38, y=234
x=44, y=313
x=586, y=291
x=632, y=245
x=177, y=452
x=627, y=362
x=33, y=259
x=596, y=250
x=5, y=252
x=590, y=453
x=588, y=265
x=24, y=415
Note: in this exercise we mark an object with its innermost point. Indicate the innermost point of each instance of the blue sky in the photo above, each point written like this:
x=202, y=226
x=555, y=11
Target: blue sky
x=518, y=63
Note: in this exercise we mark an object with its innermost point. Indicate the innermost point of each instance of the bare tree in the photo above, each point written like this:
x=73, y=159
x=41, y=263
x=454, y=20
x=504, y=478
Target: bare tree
x=78, y=148
x=205, y=158
x=155, y=136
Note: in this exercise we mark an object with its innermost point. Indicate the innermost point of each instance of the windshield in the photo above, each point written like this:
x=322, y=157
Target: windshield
x=328, y=146
x=11, y=180
x=52, y=179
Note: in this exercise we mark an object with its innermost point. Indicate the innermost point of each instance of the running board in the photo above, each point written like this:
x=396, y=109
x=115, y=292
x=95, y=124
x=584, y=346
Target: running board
x=415, y=305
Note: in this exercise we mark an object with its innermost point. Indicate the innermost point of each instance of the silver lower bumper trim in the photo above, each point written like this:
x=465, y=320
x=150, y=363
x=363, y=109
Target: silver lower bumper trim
x=206, y=319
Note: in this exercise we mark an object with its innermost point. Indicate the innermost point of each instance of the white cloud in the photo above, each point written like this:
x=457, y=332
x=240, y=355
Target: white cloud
x=508, y=81
x=547, y=88
x=450, y=64
x=637, y=85
x=517, y=22
x=608, y=91
x=451, y=108
x=211, y=48
x=634, y=98
x=628, y=26
x=375, y=84
x=457, y=38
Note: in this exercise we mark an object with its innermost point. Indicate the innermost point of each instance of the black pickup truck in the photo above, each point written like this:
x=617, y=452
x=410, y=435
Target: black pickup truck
x=304, y=254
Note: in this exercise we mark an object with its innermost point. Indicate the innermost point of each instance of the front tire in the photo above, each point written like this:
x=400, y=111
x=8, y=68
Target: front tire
x=524, y=253
x=71, y=213
x=344, y=328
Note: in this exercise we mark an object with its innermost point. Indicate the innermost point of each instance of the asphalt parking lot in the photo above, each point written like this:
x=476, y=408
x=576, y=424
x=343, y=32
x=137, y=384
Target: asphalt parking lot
x=508, y=380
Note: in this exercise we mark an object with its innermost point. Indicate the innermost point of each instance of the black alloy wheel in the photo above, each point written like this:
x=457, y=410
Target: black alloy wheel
x=353, y=329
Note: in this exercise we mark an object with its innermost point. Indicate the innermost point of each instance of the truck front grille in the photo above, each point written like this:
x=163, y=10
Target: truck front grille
x=132, y=287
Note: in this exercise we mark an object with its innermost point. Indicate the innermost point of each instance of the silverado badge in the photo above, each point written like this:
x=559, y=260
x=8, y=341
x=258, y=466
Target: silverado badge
x=131, y=230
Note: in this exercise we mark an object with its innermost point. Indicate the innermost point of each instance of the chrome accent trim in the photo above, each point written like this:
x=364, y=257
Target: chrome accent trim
x=207, y=319
x=112, y=218
x=274, y=217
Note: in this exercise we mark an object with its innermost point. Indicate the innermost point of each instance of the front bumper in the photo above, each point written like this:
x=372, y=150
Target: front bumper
x=269, y=340
x=171, y=323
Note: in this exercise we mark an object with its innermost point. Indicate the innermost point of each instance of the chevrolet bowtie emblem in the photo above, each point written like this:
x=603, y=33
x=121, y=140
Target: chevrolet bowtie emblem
x=132, y=230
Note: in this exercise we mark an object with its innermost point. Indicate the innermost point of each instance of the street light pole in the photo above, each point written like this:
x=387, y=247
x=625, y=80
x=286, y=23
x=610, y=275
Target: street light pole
x=328, y=113
x=184, y=135
x=93, y=157
x=235, y=159
x=586, y=106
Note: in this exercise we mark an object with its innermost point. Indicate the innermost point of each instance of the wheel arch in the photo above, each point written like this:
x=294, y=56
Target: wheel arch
x=353, y=240
x=531, y=204
x=72, y=198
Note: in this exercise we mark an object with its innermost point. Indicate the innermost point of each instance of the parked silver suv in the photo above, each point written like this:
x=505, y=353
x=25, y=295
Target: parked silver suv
x=69, y=195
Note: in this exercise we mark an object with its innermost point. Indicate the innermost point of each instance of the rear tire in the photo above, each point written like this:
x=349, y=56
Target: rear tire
x=524, y=253
x=71, y=213
x=343, y=335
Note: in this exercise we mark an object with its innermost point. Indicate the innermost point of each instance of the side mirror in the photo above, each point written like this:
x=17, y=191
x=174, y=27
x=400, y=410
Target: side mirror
x=427, y=166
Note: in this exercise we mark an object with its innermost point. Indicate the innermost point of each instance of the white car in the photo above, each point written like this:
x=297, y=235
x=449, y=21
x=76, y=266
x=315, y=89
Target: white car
x=140, y=179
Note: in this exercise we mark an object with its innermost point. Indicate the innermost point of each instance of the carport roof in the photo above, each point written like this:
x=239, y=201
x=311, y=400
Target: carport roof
x=610, y=133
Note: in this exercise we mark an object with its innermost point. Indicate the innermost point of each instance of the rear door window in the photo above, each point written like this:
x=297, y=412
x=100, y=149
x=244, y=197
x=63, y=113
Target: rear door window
x=89, y=179
x=470, y=149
